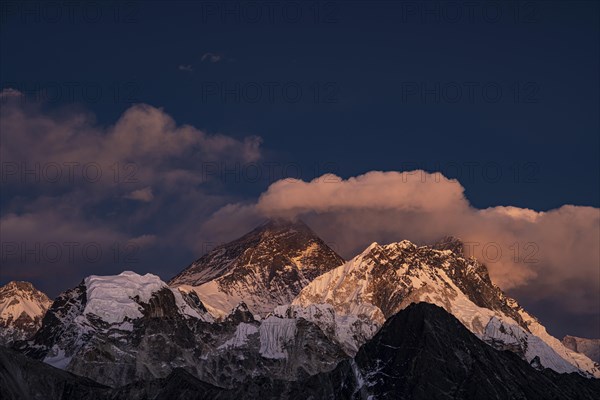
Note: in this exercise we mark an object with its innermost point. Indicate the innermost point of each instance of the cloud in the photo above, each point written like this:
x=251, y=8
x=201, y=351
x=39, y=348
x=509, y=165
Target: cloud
x=550, y=255
x=65, y=178
x=145, y=147
x=54, y=242
x=7, y=93
x=206, y=57
x=211, y=57
x=144, y=195
x=144, y=240
x=374, y=190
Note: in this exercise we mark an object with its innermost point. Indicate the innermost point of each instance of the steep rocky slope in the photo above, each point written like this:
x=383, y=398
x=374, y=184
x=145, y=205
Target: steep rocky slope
x=265, y=268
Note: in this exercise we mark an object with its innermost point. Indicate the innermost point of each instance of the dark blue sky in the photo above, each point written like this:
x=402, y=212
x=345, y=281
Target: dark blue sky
x=375, y=60
x=503, y=96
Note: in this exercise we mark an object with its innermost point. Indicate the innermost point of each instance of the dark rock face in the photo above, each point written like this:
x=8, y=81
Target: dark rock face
x=589, y=347
x=424, y=353
x=420, y=353
x=266, y=267
x=22, y=378
x=179, y=385
x=239, y=314
x=57, y=323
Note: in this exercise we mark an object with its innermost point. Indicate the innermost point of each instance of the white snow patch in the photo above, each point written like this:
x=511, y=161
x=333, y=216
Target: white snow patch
x=240, y=337
x=57, y=358
x=186, y=309
x=217, y=303
x=275, y=333
x=111, y=297
x=349, y=330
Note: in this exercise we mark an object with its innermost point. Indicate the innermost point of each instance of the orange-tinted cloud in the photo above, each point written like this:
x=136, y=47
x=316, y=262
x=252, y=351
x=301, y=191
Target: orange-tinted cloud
x=555, y=253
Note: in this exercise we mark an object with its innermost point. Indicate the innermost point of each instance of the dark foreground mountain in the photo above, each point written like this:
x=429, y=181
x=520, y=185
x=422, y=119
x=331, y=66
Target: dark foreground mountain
x=22, y=378
x=420, y=353
x=426, y=353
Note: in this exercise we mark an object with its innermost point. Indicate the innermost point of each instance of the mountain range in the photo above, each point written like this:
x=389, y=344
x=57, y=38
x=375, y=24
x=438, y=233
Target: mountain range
x=422, y=352
x=278, y=311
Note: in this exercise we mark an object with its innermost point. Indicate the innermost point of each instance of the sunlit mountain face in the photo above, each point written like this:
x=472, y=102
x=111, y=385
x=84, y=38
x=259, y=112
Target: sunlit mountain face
x=295, y=200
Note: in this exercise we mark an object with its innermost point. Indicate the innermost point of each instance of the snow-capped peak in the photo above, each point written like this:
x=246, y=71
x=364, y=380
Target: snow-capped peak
x=370, y=247
x=18, y=298
x=265, y=268
x=22, y=308
x=383, y=280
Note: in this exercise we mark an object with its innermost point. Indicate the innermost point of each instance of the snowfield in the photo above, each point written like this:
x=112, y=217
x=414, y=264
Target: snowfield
x=112, y=297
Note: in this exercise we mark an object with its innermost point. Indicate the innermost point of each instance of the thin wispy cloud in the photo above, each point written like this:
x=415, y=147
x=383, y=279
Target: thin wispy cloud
x=10, y=93
x=211, y=57
x=144, y=195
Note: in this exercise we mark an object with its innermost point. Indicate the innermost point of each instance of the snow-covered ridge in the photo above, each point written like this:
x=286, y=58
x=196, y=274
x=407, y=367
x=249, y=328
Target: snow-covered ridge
x=240, y=337
x=118, y=298
x=385, y=279
x=347, y=330
x=112, y=297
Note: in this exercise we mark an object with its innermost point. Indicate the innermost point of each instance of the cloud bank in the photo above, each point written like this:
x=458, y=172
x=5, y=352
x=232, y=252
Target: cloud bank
x=139, y=182
x=65, y=178
x=547, y=255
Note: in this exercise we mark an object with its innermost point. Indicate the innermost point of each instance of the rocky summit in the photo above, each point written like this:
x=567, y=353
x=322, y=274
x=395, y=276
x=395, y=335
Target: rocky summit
x=264, y=268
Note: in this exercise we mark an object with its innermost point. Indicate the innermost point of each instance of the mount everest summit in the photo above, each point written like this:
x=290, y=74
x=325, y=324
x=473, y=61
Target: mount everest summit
x=280, y=305
x=264, y=268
